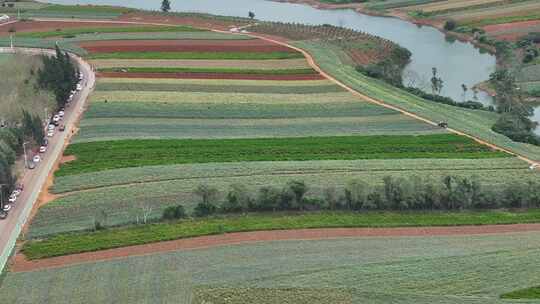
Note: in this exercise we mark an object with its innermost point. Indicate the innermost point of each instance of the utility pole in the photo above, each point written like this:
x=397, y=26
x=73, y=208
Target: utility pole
x=25, y=157
x=11, y=41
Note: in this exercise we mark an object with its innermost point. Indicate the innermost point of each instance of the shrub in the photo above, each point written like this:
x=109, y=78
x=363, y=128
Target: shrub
x=174, y=212
x=450, y=25
x=205, y=209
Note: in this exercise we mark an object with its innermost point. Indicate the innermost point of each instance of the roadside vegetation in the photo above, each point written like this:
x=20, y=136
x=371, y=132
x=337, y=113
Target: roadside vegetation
x=528, y=293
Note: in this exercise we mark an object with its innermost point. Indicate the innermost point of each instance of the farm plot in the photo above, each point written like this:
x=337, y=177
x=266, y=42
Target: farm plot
x=93, y=28
x=106, y=155
x=215, y=64
x=250, y=46
x=444, y=269
x=522, y=11
x=453, y=5
x=165, y=128
x=197, y=55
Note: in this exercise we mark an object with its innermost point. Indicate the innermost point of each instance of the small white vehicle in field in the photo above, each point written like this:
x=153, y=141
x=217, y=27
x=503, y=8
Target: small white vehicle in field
x=36, y=159
x=42, y=149
x=50, y=133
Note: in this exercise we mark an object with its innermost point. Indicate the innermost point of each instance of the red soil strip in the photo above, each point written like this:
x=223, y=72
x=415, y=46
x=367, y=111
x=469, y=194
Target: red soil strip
x=210, y=76
x=45, y=26
x=255, y=45
x=23, y=265
x=511, y=26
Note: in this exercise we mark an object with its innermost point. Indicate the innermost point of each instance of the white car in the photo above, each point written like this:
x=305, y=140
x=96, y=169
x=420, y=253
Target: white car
x=42, y=149
x=16, y=192
x=56, y=118
x=79, y=87
x=12, y=199
x=61, y=113
x=50, y=133
x=7, y=208
x=36, y=159
x=51, y=127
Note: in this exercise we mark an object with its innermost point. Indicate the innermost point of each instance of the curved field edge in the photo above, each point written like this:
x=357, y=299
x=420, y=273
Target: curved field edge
x=105, y=155
x=526, y=293
x=71, y=243
x=473, y=122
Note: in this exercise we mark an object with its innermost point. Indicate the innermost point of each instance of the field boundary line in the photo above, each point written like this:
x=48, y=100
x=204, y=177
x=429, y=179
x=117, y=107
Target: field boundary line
x=21, y=264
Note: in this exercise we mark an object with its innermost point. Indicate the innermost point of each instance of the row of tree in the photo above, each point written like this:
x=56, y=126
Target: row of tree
x=59, y=75
x=416, y=193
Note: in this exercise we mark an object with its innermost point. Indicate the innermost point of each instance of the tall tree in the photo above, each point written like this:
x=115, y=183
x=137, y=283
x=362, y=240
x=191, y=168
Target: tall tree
x=165, y=6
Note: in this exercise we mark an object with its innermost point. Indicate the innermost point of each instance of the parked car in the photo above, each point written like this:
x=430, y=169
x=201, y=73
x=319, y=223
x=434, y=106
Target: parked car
x=3, y=215
x=19, y=187
x=42, y=149
x=51, y=127
x=62, y=128
x=7, y=207
x=61, y=113
x=79, y=87
x=31, y=165
x=56, y=118
x=16, y=192
x=45, y=142
x=36, y=159
x=12, y=199
x=50, y=133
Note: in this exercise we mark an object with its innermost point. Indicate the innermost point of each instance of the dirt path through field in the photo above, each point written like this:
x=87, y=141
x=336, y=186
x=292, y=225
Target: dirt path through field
x=23, y=265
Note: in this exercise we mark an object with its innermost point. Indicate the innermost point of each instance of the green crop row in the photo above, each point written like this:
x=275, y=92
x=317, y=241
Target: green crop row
x=197, y=55
x=305, y=71
x=100, y=30
x=229, y=111
x=528, y=293
x=107, y=129
x=65, y=244
x=210, y=88
x=99, y=156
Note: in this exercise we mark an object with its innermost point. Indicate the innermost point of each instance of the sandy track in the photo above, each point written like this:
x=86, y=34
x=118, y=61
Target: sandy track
x=23, y=265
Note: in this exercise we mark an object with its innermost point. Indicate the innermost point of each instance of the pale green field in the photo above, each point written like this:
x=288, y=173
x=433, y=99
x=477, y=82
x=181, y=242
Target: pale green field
x=100, y=129
x=272, y=64
x=215, y=82
x=403, y=270
x=122, y=193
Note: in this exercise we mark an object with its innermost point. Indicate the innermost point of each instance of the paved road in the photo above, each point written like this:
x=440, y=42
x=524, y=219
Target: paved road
x=34, y=180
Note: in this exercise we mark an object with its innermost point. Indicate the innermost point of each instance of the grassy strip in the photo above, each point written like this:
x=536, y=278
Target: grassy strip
x=528, y=293
x=105, y=155
x=197, y=55
x=118, y=29
x=501, y=20
x=307, y=71
x=65, y=244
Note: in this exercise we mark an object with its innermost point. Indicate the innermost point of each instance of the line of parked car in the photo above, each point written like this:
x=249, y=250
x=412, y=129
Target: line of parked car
x=5, y=208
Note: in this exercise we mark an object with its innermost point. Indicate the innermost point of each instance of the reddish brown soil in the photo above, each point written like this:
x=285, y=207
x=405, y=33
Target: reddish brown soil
x=209, y=76
x=67, y=159
x=21, y=264
x=206, y=23
x=511, y=26
x=255, y=45
x=45, y=26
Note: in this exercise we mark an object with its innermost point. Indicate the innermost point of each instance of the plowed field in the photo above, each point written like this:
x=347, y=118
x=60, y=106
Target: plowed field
x=254, y=45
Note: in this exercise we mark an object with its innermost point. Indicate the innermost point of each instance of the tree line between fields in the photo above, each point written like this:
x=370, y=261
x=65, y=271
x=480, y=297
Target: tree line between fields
x=395, y=194
x=57, y=74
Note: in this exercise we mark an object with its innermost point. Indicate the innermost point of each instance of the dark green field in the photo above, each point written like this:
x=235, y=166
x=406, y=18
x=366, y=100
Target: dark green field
x=98, y=156
x=118, y=29
x=529, y=293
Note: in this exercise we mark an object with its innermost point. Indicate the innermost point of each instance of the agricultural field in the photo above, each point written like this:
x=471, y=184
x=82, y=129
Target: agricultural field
x=33, y=9
x=399, y=269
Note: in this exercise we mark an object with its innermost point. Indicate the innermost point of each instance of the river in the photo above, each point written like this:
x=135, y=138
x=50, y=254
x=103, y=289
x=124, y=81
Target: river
x=457, y=62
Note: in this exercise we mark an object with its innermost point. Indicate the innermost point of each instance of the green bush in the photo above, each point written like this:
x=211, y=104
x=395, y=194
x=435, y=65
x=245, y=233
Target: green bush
x=174, y=212
x=450, y=25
